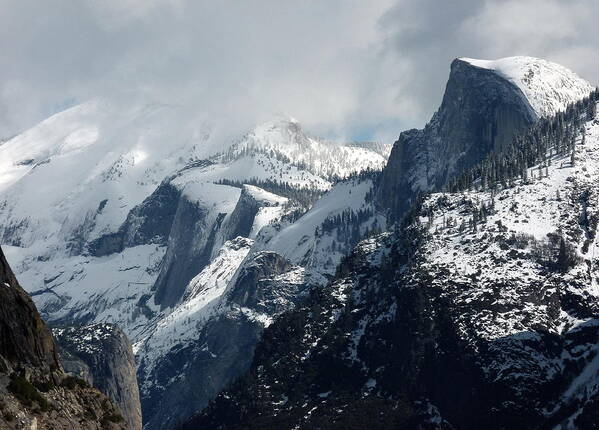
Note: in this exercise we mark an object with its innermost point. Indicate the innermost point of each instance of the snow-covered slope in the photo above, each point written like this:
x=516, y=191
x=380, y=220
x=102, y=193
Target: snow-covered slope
x=130, y=214
x=547, y=86
x=526, y=273
x=81, y=171
x=533, y=214
x=322, y=158
x=316, y=241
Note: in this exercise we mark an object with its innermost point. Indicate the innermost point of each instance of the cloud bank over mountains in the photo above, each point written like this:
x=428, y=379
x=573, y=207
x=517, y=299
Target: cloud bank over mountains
x=345, y=69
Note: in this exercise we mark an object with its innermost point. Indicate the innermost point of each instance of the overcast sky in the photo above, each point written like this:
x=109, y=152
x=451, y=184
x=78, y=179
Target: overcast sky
x=347, y=69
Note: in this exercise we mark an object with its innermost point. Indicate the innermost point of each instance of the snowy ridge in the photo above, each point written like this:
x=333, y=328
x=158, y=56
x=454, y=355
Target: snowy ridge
x=96, y=209
x=548, y=87
x=87, y=339
x=321, y=157
x=304, y=242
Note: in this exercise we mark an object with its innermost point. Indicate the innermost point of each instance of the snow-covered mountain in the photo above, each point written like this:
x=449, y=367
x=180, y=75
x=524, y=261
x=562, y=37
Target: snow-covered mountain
x=480, y=311
x=81, y=171
x=139, y=216
x=194, y=243
x=315, y=240
x=547, y=87
x=485, y=104
x=323, y=158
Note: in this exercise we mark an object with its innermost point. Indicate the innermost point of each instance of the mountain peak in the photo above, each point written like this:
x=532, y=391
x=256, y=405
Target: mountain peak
x=548, y=87
x=485, y=104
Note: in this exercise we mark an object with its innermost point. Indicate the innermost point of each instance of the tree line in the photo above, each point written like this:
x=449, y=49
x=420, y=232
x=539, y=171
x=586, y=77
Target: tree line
x=538, y=145
x=303, y=196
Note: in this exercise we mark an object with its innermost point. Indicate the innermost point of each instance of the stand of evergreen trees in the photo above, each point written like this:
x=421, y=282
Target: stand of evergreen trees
x=348, y=223
x=236, y=152
x=549, y=137
x=362, y=175
x=302, y=196
x=313, y=163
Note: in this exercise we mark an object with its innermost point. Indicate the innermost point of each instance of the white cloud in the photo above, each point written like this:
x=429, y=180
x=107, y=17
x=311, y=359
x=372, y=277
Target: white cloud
x=558, y=30
x=422, y=37
x=344, y=68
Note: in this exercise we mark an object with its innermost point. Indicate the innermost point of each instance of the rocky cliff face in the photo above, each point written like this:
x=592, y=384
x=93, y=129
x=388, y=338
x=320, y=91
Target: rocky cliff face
x=255, y=209
x=148, y=223
x=35, y=392
x=484, y=105
x=181, y=378
x=200, y=229
x=25, y=338
x=194, y=235
x=101, y=354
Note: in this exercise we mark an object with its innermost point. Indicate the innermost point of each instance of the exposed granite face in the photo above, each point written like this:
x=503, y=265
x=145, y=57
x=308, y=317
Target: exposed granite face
x=480, y=112
x=192, y=374
x=190, y=244
x=24, y=338
x=102, y=355
x=242, y=218
x=148, y=223
x=73, y=365
x=196, y=234
x=35, y=393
